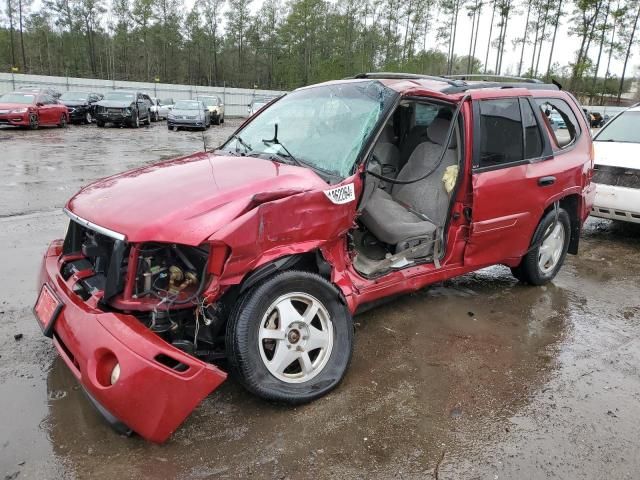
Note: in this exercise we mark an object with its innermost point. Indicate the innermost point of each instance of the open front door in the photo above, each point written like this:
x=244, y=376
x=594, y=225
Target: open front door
x=512, y=180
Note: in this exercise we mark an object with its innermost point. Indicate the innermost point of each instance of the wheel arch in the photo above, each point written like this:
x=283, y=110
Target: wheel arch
x=570, y=203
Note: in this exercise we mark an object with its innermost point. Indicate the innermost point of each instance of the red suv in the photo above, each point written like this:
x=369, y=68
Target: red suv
x=331, y=199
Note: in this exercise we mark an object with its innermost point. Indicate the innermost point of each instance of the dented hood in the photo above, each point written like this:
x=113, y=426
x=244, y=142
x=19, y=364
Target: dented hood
x=188, y=199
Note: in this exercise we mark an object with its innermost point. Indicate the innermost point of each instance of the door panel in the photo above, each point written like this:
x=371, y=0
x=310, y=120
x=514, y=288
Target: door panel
x=508, y=195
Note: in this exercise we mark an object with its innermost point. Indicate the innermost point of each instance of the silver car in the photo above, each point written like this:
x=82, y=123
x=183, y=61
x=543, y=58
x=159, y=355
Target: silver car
x=188, y=114
x=164, y=107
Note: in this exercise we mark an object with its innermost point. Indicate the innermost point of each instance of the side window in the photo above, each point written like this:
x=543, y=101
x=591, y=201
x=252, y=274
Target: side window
x=561, y=121
x=47, y=100
x=501, y=138
x=532, y=136
x=425, y=114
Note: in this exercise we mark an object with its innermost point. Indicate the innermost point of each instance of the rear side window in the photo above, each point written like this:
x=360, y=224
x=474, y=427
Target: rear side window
x=501, y=137
x=425, y=114
x=560, y=120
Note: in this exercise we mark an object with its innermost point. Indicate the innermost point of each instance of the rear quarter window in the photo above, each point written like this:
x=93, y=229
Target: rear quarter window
x=562, y=123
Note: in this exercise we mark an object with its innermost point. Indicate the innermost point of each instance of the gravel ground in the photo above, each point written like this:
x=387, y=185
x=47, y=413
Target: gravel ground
x=478, y=377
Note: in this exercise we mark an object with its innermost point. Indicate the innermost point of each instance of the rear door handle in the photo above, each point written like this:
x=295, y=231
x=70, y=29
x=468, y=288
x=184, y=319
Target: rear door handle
x=546, y=181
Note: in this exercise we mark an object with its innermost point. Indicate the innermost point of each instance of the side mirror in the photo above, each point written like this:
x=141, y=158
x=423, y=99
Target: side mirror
x=39, y=104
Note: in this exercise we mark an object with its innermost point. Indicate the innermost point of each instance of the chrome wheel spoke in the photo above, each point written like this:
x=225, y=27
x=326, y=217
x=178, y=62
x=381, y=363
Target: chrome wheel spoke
x=287, y=312
x=305, y=363
x=311, y=312
x=271, y=334
x=282, y=358
x=317, y=339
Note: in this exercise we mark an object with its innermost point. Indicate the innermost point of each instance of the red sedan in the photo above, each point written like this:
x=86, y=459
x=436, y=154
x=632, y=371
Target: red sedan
x=32, y=109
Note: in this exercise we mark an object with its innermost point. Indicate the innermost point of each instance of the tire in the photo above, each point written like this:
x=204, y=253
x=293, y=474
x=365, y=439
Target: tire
x=100, y=123
x=222, y=119
x=147, y=122
x=88, y=118
x=169, y=127
x=34, y=122
x=249, y=356
x=216, y=120
x=135, y=120
x=533, y=268
x=63, y=122
x=156, y=117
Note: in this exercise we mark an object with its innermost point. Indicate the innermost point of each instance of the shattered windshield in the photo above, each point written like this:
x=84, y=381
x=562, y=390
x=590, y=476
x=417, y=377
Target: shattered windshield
x=324, y=127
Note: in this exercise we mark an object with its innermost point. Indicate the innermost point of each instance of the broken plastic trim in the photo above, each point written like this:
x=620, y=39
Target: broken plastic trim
x=96, y=228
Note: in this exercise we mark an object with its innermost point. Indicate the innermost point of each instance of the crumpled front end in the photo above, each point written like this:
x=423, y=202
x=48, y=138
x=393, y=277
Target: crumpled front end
x=137, y=379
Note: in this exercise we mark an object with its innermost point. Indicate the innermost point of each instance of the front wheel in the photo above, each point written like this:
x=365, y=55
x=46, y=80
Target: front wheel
x=88, y=118
x=549, y=249
x=34, y=122
x=99, y=123
x=290, y=338
x=63, y=121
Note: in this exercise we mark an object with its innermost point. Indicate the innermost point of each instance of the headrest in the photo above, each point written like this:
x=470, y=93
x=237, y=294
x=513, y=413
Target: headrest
x=437, y=132
x=388, y=135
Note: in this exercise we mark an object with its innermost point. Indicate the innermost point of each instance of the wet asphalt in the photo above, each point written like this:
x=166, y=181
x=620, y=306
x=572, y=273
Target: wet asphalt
x=478, y=377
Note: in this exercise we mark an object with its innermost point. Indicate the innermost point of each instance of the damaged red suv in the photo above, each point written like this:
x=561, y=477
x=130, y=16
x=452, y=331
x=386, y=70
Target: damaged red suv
x=331, y=199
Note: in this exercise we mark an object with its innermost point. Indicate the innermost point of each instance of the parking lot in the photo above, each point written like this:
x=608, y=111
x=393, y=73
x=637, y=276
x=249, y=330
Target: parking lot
x=479, y=377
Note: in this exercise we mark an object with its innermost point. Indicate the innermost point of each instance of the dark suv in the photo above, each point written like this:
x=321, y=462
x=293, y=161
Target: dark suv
x=329, y=200
x=122, y=107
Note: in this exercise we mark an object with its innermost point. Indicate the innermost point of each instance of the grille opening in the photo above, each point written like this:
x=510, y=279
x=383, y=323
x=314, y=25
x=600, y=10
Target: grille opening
x=172, y=363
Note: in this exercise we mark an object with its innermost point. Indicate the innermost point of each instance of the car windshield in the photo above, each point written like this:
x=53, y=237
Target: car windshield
x=623, y=128
x=166, y=101
x=119, y=96
x=17, y=98
x=187, y=105
x=325, y=126
x=74, y=96
x=208, y=101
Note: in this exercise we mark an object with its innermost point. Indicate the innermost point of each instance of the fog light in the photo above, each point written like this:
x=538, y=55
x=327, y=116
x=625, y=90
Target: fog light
x=115, y=374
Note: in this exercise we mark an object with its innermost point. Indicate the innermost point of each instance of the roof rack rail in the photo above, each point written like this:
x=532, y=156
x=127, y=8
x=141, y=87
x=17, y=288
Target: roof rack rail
x=410, y=76
x=481, y=76
x=481, y=85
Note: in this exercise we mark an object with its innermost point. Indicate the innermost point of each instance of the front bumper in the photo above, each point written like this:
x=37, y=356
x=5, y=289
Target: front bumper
x=117, y=118
x=186, y=123
x=77, y=114
x=149, y=397
x=617, y=203
x=16, y=119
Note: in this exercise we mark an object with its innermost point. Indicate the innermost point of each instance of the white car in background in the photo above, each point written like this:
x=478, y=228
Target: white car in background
x=617, y=168
x=164, y=107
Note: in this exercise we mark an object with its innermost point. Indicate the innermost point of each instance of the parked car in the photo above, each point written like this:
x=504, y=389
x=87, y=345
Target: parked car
x=557, y=121
x=596, y=120
x=214, y=106
x=166, y=105
x=333, y=198
x=32, y=110
x=124, y=108
x=155, y=109
x=189, y=114
x=617, y=168
x=53, y=92
x=81, y=105
x=256, y=104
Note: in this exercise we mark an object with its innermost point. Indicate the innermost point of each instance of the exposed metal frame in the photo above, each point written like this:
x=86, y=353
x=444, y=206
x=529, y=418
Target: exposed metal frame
x=96, y=228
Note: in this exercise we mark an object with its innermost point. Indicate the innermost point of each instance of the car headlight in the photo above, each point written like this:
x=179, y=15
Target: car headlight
x=20, y=110
x=127, y=110
x=115, y=373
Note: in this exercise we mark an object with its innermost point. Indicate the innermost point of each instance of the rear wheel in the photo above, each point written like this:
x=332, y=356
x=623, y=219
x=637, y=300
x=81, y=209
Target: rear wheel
x=290, y=338
x=549, y=249
x=100, y=123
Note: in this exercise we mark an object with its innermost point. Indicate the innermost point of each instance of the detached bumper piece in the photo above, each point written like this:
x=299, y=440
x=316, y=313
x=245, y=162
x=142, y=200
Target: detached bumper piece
x=136, y=380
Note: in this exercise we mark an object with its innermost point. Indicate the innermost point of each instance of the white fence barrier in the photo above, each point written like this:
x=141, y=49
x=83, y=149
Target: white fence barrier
x=234, y=99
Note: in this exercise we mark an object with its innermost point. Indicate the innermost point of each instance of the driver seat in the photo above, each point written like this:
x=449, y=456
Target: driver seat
x=412, y=213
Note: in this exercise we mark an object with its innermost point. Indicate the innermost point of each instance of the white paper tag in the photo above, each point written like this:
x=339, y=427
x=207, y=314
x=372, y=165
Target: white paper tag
x=342, y=194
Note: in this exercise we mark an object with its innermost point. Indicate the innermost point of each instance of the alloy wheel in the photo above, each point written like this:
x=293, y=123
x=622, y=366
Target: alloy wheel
x=295, y=337
x=551, y=248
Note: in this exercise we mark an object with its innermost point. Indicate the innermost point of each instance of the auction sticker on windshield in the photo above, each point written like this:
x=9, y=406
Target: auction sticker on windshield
x=342, y=194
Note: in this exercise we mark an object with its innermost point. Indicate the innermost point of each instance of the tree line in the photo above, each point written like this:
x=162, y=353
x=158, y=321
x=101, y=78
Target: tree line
x=285, y=44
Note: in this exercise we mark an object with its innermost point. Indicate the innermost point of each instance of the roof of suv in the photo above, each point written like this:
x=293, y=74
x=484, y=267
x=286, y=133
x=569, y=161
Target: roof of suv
x=451, y=85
